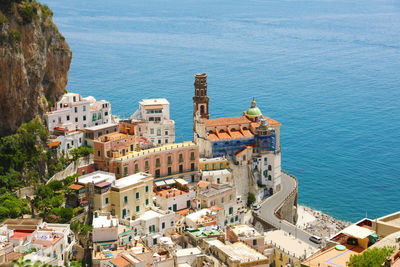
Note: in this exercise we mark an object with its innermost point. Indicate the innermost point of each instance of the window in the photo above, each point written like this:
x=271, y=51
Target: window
x=98, y=153
x=106, y=113
x=192, y=166
x=84, y=108
x=222, y=200
x=269, y=168
x=265, y=173
x=136, y=168
x=191, y=155
x=147, y=188
x=214, y=166
x=166, y=132
x=230, y=197
x=99, y=117
x=76, y=109
x=221, y=165
x=137, y=208
x=159, y=141
x=155, y=241
x=169, y=160
x=254, y=242
x=67, y=117
x=265, y=161
x=206, y=167
x=137, y=195
x=151, y=131
x=131, y=147
x=147, y=201
x=125, y=171
x=172, y=223
x=192, y=178
x=166, y=141
x=181, y=157
x=146, y=164
x=158, y=162
x=94, y=117
x=169, y=171
x=163, y=225
x=188, y=204
x=180, y=168
x=157, y=173
x=117, y=170
x=76, y=119
x=106, y=200
x=125, y=199
x=236, y=218
x=158, y=132
x=269, y=177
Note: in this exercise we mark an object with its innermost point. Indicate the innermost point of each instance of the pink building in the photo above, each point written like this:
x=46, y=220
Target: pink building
x=173, y=160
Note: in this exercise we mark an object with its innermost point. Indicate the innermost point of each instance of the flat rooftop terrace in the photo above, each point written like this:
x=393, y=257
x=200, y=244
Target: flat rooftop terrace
x=333, y=257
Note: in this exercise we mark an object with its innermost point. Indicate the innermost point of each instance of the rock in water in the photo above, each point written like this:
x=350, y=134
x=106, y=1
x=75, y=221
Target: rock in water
x=34, y=62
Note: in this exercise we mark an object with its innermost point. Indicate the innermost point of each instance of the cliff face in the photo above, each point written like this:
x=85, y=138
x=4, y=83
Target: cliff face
x=34, y=63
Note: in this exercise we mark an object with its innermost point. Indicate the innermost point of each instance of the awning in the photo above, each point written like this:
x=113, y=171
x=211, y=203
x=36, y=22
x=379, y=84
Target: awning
x=102, y=184
x=75, y=186
x=357, y=231
x=160, y=183
x=181, y=181
x=170, y=181
x=153, y=107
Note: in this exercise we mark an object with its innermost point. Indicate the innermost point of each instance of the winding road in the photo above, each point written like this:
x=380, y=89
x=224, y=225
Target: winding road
x=272, y=203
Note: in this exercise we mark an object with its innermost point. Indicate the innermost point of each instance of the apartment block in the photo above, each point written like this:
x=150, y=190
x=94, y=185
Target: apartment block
x=153, y=121
x=173, y=160
x=246, y=234
x=174, y=194
x=74, y=112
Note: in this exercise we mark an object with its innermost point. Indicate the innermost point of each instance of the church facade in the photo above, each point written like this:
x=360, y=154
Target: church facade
x=251, y=139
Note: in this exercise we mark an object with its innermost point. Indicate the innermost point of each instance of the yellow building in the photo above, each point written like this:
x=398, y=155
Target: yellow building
x=213, y=164
x=287, y=249
x=127, y=197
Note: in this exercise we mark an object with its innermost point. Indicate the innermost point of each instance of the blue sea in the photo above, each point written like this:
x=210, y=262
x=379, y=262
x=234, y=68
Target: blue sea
x=329, y=71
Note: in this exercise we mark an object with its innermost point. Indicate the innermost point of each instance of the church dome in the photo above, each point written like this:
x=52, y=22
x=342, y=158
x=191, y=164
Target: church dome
x=253, y=110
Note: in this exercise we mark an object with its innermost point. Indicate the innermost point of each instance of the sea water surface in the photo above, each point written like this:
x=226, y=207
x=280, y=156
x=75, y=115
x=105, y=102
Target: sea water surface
x=329, y=71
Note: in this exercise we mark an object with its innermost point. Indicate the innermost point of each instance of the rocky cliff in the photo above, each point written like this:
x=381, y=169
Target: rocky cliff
x=34, y=62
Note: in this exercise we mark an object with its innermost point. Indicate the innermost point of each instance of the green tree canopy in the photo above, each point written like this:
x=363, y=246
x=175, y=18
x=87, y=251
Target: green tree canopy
x=371, y=257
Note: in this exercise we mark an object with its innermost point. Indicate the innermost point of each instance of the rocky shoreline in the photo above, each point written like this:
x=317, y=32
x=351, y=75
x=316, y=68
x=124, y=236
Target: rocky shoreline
x=319, y=223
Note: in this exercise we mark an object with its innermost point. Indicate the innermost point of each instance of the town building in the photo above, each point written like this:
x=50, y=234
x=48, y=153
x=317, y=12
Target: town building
x=178, y=160
x=223, y=176
x=288, y=250
x=153, y=121
x=174, y=194
x=94, y=132
x=105, y=230
x=74, y=112
x=246, y=234
x=65, y=140
x=212, y=164
x=186, y=257
x=126, y=198
x=224, y=197
x=196, y=236
x=228, y=137
x=235, y=255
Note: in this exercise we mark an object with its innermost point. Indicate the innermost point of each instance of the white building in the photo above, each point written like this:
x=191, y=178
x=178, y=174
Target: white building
x=153, y=224
x=154, y=121
x=217, y=177
x=69, y=140
x=73, y=112
x=105, y=227
x=187, y=256
x=268, y=169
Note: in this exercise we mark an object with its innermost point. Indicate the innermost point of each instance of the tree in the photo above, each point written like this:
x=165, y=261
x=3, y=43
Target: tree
x=251, y=199
x=21, y=262
x=371, y=257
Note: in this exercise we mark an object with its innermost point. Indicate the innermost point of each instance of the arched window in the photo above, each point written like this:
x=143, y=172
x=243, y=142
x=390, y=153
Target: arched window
x=202, y=110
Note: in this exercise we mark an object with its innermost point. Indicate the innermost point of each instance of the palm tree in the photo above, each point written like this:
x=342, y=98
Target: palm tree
x=21, y=262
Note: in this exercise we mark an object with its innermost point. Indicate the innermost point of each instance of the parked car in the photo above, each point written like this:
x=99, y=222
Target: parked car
x=316, y=239
x=256, y=207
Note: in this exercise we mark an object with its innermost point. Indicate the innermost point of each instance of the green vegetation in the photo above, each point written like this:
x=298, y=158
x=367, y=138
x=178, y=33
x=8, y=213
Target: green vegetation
x=46, y=11
x=6, y=5
x=12, y=207
x=80, y=228
x=371, y=257
x=80, y=151
x=25, y=158
x=3, y=19
x=251, y=199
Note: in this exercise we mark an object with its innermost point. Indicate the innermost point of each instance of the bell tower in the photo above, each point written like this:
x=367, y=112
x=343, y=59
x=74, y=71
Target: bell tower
x=200, y=99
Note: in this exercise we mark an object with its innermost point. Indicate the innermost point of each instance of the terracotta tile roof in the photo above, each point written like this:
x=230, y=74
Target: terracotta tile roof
x=183, y=212
x=168, y=193
x=241, y=152
x=120, y=262
x=227, y=121
x=60, y=129
x=102, y=184
x=54, y=144
x=13, y=256
x=75, y=186
x=203, y=184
